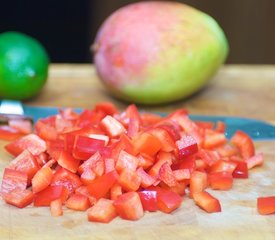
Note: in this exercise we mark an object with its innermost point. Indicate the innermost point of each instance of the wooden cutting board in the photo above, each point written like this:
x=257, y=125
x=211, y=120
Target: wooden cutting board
x=238, y=220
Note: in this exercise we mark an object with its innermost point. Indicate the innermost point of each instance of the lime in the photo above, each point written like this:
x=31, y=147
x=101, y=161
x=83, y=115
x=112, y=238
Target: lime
x=24, y=66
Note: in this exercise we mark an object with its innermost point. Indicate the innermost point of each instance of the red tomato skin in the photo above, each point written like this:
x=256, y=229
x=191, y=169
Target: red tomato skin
x=266, y=205
x=255, y=160
x=129, y=206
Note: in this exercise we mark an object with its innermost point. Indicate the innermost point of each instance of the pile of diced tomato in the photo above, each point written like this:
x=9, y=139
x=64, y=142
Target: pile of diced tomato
x=110, y=163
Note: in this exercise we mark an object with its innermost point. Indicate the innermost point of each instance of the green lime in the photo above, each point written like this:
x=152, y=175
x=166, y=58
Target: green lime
x=24, y=66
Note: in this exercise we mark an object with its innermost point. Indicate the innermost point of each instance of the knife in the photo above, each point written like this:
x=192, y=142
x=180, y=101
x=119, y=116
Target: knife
x=256, y=129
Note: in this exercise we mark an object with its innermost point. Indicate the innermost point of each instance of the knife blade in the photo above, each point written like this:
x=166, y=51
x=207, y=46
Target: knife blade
x=257, y=129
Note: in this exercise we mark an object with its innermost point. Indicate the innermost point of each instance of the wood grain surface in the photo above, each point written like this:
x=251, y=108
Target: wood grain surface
x=236, y=91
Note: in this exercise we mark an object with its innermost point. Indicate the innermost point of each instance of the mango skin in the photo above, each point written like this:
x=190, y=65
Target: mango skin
x=158, y=52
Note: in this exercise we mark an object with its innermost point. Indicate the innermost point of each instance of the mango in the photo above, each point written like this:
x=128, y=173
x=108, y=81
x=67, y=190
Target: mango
x=157, y=52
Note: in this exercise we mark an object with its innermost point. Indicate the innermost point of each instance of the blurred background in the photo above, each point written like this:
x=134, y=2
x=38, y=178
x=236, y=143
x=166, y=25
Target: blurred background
x=67, y=28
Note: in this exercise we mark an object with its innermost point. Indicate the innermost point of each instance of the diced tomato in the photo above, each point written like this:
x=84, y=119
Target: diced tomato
x=103, y=211
x=49, y=194
x=207, y=202
x=112, y=126
x=126, y=160
x=102, y=185
x=78, y=202
x=42, y=179
x=9, y=133
x=64, y=177
x=23, y=126
x=25, y=162
x=198, y=182
x=244, y=143
x=220, y=180
x=13, y=179
x=266, y=205
x=129, y=206
x=187, y=146
x=149, y=200
x=146, y=143
x=129, y=180
x=32, y=142
x=19, y=197
x=85, y=147
x=168, y=201
x=67, y=161
x=255, y=160
x=56, y=207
